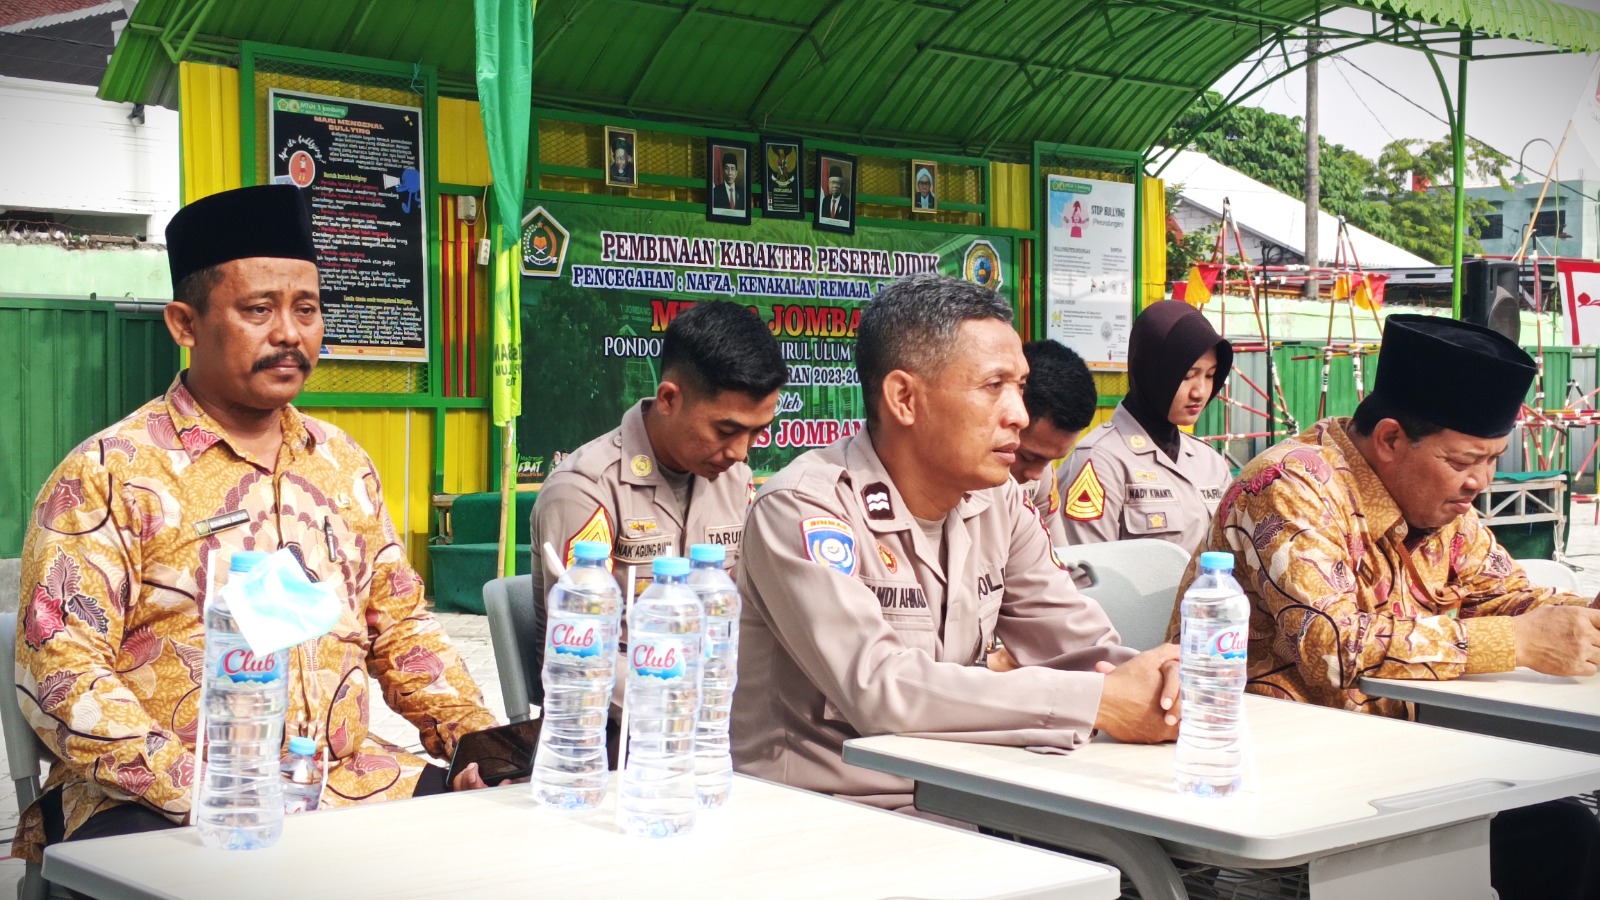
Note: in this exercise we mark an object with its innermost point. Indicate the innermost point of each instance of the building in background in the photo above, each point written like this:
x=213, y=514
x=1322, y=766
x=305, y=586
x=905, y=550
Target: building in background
x=1271, y=223
x=86, y=186
x=1568, y=223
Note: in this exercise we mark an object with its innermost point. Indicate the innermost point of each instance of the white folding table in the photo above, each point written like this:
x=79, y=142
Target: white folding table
x=1524, y=705
x=1376, y=807
x=770, y=841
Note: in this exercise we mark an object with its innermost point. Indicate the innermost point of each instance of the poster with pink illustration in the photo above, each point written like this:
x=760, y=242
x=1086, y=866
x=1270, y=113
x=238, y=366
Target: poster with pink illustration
x=1580, y=295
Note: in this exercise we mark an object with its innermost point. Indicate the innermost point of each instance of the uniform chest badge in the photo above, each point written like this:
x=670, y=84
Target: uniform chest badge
x=636, y=528
x=641, y=466
x=830, y=542
x=1142, y=475
x=1137, y=442
x=889, y=562
x=1158, y=520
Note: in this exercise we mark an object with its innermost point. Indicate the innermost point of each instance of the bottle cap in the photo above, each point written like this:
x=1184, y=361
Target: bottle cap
x=245, y=560
x=669, y=567
x=591, y=551
x=303, y=745
x=1216, y=560
x=708, y=553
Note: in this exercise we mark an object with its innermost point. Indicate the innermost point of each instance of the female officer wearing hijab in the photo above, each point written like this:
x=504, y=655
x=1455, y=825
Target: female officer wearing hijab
x=1138, y=475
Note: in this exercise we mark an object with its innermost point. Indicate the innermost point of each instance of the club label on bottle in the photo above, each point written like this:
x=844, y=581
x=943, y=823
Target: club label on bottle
x=1230, y=643
x=240, y=665
x=578, y=639
x=663, y=659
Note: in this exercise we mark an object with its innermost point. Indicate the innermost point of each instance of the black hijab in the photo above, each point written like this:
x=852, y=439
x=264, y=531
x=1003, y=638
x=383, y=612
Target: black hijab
x=1163, y=344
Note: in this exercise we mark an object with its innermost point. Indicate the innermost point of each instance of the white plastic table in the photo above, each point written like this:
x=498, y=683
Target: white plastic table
x=1524, y=705
x=1376, y=807
x=770, y=841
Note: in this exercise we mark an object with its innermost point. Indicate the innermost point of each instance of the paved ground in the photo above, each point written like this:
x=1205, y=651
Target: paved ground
x=471, y=637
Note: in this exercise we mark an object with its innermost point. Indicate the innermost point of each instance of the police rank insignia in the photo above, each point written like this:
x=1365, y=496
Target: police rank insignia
x=876, y=497
x=640, y=465
x=1086, y=496
x=830, y=542
x=1157, y=520
x=598, y=528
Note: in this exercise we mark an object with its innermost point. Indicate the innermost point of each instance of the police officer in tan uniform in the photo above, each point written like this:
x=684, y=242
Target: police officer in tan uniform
x=1060, y=397
x=876, y=569
x=1139, y=475
x=673, y=474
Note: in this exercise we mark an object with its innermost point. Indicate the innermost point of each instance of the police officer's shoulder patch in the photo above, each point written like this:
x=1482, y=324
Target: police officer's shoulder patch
x=1086, y=496
x=830, y=542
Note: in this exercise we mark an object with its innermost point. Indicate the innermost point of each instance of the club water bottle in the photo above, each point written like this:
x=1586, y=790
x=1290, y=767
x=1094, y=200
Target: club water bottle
x=1216, y=628
x=580, y=668
x=719, y=601
x=244, y=697
x=665, y=630
x=302, y=782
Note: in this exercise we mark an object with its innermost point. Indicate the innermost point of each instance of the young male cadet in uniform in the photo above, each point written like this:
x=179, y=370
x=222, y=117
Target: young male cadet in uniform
x=1139, y=475
x=1361, y=553
x=111, y=643
x=877, y=569
x=673, y=474
x=1060, y=398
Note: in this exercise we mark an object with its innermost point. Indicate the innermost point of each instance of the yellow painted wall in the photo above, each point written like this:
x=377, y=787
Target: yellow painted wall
x=1011, y=195
x=466, y=450
x=208, y=129
x=400, y=442
x=463, y=153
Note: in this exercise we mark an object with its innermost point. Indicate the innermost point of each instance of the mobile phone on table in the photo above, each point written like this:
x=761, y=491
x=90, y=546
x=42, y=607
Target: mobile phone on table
x=503, y=753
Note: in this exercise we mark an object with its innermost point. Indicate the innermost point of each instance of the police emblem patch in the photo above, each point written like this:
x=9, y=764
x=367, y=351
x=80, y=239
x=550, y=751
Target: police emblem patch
x=889, y=562
x=830, y=542
x=641, y=465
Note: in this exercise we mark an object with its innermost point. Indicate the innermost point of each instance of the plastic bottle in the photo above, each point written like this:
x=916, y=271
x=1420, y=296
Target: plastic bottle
x=244, y=698
x=719, y=601
x=580, y=668
x=302, y=784
x=665, y=629
x=1216, y=628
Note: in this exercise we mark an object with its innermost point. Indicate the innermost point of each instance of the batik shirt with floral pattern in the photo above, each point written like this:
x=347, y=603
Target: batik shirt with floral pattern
x=115, y=571
x=1321, y=549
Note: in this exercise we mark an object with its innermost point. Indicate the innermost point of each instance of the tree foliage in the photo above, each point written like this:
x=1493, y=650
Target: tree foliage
x=1375, y=196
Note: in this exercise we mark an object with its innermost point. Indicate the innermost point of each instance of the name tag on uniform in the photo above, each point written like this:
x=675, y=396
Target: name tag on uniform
x=725, y=535
x=1211, y=494
x=221, y=523
x=1149, y=494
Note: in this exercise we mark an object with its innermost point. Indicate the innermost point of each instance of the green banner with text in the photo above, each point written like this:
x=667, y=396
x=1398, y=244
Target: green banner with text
x=601, y=283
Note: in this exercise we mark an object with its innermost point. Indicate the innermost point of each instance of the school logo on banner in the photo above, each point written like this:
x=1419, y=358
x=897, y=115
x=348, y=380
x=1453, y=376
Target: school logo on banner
x=1086, y=497
x=981, y=265
x=830, y=542
x=544, y=244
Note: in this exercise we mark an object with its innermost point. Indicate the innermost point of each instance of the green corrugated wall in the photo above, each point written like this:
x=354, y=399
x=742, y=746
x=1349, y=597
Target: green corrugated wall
x=68, y=368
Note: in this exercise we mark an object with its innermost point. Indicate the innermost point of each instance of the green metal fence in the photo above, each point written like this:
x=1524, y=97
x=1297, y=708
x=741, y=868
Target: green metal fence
x=68, y=368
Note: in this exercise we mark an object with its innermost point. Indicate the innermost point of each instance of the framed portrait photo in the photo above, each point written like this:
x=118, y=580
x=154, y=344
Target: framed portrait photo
x=836, y=192
x=783, y=185
x=924, y=187
x=620, y=170
x=728, y=181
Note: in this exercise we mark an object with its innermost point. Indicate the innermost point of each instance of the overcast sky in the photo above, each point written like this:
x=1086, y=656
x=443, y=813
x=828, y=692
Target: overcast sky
x=1371, y=96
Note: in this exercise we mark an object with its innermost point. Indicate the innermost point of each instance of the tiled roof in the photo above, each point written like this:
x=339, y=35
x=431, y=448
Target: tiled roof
x=14, y=11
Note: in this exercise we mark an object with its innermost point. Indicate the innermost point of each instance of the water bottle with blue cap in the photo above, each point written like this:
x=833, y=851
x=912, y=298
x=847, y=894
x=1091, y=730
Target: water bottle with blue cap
x=244, y=696
x=1214, y=647
x=584, y=614
x=719, y=600
x=665, y=628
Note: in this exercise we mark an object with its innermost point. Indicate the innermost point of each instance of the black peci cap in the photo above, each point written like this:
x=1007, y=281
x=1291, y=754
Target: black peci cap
x=271, y=220
x=1455, y=374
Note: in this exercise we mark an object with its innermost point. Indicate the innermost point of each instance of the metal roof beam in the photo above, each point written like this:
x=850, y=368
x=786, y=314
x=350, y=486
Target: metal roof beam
x=650, y=67
x=718, y=13
x=1080, y=71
